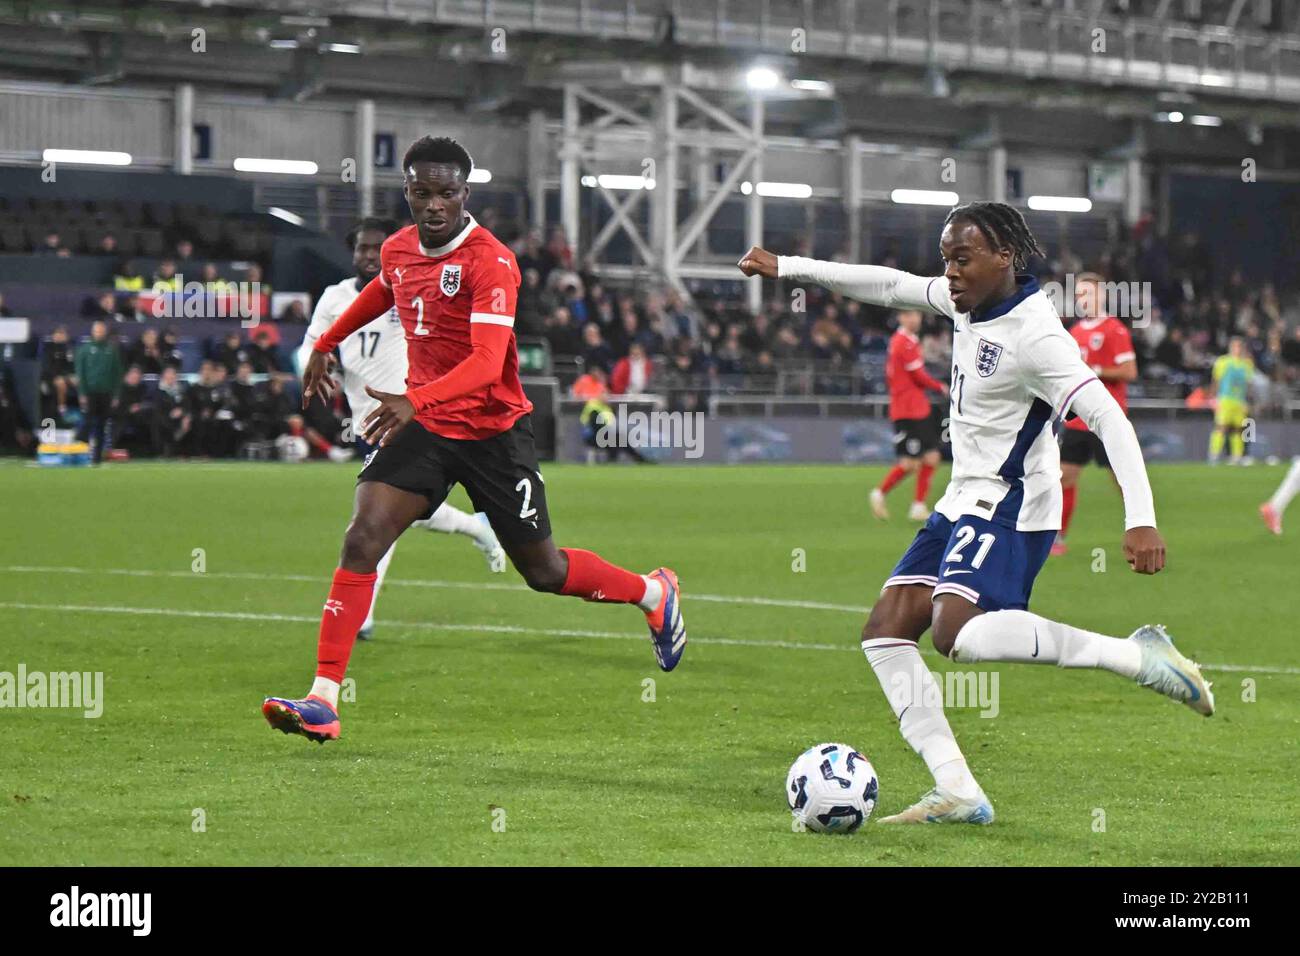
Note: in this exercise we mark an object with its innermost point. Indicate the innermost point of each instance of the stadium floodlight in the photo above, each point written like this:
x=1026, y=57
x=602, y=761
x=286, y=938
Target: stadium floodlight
x=779, y=190
x=284, y=44
x=479, y=175
x=91, y=157
x=924, y=197
x=616, y=181
x=762, y=78
x=589, y=182
x=811, y=86
x=342, y=48
x=1060, y=203
x=292, y=167
x=1202, y=119
x=287, y=216
x=1215, y=79
x=1175, y=116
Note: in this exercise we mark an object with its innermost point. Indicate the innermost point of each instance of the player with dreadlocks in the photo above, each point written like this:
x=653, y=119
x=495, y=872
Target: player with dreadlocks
x=1016, y=374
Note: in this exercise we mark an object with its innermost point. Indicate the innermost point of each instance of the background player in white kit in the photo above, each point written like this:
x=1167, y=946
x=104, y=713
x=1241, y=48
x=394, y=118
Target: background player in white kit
x=375, y=357
x=968, y=574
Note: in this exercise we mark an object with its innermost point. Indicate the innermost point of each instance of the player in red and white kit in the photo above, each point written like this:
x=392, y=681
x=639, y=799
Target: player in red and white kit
x=1107, y=348
x=463, y=418
x=916, y=437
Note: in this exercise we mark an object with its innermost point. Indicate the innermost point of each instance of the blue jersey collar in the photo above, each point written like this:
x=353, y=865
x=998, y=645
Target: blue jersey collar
x=1025, y=287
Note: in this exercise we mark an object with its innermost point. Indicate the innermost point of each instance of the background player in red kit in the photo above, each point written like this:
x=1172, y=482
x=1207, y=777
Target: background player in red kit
x=1107, y=348
x=463, y=418
x=916, y=436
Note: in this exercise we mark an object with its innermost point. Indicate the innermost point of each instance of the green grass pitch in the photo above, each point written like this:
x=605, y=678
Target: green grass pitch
x=481, y=703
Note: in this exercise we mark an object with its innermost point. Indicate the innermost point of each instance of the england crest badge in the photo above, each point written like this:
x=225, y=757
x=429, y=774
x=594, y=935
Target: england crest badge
x=987, y=355
x=450, y=280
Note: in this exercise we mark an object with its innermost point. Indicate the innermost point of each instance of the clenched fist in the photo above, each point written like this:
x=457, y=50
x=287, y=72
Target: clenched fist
x=758, y=262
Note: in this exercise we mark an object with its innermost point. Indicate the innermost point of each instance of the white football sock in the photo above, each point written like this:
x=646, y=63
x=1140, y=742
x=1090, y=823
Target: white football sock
x=1289, y=488
x=1026, y=638
x=449, y=520
x=380, y=570
x=327, y=689
x=918, y=704
x=654, y=593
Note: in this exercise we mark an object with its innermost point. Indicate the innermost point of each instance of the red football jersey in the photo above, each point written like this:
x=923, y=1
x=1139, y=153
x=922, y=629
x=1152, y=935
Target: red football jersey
x=438, y=293
x=905, y=372
x=1103, y=342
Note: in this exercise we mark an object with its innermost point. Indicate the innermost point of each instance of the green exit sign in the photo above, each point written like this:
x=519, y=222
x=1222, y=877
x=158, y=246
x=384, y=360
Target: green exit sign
x=534, y=357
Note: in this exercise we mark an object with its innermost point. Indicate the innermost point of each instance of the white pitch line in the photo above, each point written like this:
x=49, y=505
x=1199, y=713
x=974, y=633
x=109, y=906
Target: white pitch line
x=413, y=583
x=504, y=629
x=423, y=625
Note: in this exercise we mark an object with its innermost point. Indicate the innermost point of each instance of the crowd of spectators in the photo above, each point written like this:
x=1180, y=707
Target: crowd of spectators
x=812, y=342
x=627, y=341
x=131, y=395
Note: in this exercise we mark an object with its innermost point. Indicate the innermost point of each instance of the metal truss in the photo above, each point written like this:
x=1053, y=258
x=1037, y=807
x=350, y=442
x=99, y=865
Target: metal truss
x=644, y=124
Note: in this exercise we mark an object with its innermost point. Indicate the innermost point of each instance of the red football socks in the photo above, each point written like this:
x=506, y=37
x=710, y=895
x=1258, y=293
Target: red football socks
x=1067, y=507
x=894, y=477
x=592, y=578
x=923, y=477
x=345, y=612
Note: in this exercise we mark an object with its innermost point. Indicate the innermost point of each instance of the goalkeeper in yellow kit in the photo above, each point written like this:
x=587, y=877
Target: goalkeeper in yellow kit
x=1232, y=375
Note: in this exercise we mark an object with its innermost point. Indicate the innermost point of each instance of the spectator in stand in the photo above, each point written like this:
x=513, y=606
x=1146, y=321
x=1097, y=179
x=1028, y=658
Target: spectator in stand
x=590, y=385
x=293, y=312
x=633, y=372
x=254, y=274
x=165, y=279
x=557, y=247
x=99, y=379
x=5, y=311
x=278, y=407
x=171, y=417
x=729, y=355
x=127, y=278
x=51, y=245
x=263, y=353
x=564, y=337
x=595, y=352
x=528, y=306
x=169, y=343
x=102, y=307
x=134, y=430
x=230, y=353
x=146, y=353
x=58, y=372
x=212, y=281
x=762, y=375
x=529, y=254
x=211, y=409
x=184, y=250
x=107, y=245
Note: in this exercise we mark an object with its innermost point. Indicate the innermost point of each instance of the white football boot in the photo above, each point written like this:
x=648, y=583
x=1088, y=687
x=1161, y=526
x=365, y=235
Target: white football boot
x=878, y=504
x=493, y=553
x=1165, y=670
x=940, y=806
x=918, y=512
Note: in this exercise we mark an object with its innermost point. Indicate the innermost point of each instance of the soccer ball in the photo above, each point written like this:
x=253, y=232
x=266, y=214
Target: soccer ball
x=292, y=448
x=831, y=788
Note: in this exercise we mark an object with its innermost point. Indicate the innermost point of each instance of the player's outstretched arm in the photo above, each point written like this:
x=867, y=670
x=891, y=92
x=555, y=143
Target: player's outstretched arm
x=878, y=285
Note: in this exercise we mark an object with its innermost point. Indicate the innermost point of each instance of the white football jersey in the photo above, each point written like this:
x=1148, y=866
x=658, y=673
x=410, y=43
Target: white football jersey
x=1015, y=372
x=374, y=355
